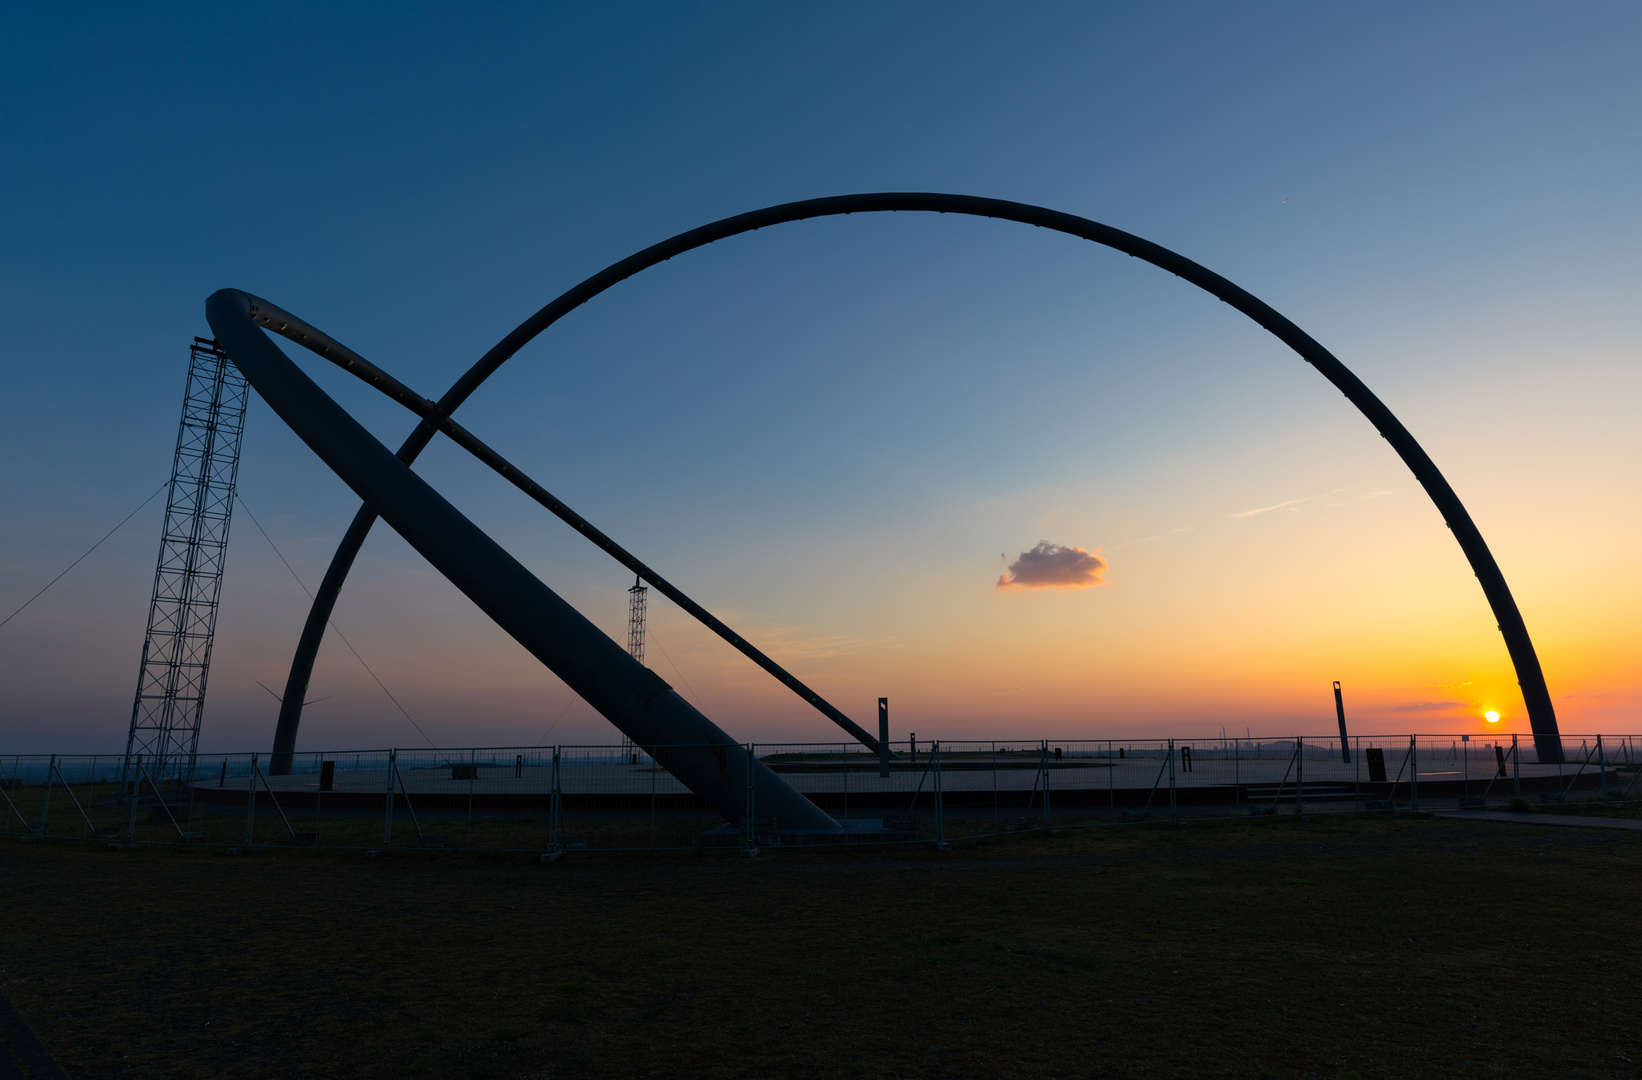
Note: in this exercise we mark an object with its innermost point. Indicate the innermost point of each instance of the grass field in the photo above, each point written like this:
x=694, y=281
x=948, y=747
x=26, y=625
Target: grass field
x=1338, y=947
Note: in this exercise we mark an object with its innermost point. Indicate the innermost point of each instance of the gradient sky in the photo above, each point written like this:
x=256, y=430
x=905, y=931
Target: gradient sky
x=838, y=435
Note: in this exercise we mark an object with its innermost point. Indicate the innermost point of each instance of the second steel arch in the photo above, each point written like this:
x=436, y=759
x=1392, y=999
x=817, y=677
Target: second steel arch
x=1535, y=694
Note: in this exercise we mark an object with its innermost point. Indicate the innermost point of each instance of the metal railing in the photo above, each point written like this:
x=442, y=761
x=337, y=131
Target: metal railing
x=553, y=799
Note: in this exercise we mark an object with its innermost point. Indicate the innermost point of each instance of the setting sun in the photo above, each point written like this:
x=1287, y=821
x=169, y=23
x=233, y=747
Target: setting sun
x=1491, y=717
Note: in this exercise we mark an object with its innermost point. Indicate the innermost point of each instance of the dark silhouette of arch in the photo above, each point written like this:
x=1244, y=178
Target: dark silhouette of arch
x=730, y=778
x=1530, y=678
x=272, y=317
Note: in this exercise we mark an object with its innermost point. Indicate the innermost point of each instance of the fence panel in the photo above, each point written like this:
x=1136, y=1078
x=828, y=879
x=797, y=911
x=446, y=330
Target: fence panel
x=617, y=798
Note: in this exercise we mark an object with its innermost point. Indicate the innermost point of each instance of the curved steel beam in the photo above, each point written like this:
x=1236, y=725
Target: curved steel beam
x=275, y=318
x=1536, y=696
x=627, y=693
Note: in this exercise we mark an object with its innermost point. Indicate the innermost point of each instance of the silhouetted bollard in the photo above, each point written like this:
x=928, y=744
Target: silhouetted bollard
x=1185, y=759
x=1340, y=711
x=1376, y=764
x=1057, y=753
x=327, y=775
x=519, y=765
x=1499, y=756
x=883, y=737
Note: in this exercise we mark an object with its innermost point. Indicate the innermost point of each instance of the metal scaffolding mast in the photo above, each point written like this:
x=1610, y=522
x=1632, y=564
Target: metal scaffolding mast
x=635, y=620
x=635, y=646
x=182, y=613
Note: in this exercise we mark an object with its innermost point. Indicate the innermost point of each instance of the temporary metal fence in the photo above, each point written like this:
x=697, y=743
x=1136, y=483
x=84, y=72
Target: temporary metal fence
x=553, y=799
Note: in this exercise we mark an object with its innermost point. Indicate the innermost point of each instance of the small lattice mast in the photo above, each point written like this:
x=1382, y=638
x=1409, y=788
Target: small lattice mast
x=635, y=647
x=635, y=620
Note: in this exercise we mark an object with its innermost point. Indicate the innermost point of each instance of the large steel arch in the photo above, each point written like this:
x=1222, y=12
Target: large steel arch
x=631, y=696
x=1530, y=678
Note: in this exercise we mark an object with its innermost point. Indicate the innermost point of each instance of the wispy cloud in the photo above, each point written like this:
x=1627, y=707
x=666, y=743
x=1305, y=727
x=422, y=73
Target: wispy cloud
x=790, y=644
x=1149, y=539
x=1054, y=566
x=1428, y=706
x=1289, y=504
x=1361, y=498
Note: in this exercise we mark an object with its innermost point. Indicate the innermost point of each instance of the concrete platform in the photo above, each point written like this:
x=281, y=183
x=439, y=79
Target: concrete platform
x=853, y=785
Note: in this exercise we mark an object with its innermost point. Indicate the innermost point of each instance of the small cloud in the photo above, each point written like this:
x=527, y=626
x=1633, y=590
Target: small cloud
x=1428, y=706
x=1054, y=566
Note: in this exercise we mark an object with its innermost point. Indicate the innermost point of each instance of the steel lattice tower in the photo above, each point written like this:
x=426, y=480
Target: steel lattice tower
x=635, y=620
x=635, y=646
x=182, y=614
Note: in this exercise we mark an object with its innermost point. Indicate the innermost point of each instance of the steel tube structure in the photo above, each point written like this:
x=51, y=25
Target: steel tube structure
x=1530, y=678
x=272, y=317
x=627, y=693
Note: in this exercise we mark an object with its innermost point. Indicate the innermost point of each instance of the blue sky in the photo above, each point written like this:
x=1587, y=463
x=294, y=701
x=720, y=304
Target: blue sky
x=829, y=432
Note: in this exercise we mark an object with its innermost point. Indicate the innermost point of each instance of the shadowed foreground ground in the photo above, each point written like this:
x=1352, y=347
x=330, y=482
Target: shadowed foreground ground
x=1335, y=948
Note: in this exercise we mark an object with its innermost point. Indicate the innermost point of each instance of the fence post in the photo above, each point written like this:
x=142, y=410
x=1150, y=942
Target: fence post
x=1465, y=753
x=749, y=845
x=319, y=796
x=1413, y=772
x=131, y=827
x=940, y=809
x=1043, y=772
x=193, y=778
x=1111, y=783
x=1172, y=815
x=995, y=825
x=1357, y=775
x=45, y=800
x=1299, y=777
x=251, y=801
x=473, y=778
x=11, y=809
x=91, y=787
x=654, y=768
x=844, y=756
x=555, y=809
x=387, y=810
x=1601, y=764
